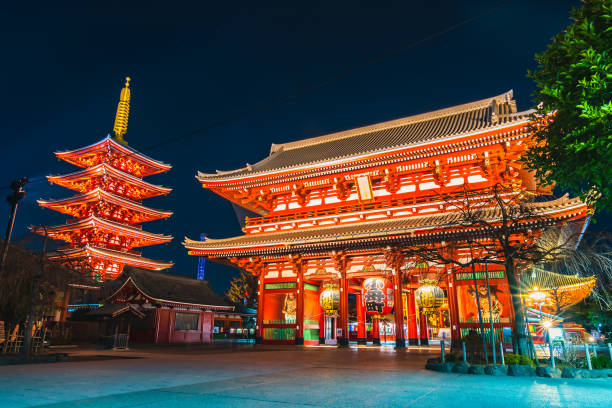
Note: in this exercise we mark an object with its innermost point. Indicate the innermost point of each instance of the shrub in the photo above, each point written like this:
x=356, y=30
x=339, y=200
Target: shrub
x=518, y=359
x=601, y=361
x=452, y=358
x=473, y=346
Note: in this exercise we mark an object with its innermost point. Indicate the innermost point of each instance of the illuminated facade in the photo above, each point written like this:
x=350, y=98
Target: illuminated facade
x=108, y=208
x=340, y=209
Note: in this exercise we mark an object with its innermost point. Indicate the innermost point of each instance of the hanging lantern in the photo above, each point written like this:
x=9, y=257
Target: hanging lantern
x=330, y=299
x=377, y=296
x=429, y=297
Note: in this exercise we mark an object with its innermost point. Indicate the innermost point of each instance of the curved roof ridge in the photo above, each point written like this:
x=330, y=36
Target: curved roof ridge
x=449, y=111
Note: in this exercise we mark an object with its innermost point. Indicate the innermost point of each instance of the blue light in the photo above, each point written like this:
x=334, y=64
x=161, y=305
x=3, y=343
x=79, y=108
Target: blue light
x=201, y=262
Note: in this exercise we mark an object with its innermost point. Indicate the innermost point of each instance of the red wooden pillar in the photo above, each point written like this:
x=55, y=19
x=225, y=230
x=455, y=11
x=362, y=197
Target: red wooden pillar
x=343, y=339
x=423, y=323
x=260, y=307
x=412, y=319
x=299, y=335
x=375, y=331
x=361, y=329
x=400, y=337
x=453, y=311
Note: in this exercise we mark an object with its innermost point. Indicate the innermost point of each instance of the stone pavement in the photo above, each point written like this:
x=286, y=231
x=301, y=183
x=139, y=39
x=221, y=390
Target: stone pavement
x=279, y=376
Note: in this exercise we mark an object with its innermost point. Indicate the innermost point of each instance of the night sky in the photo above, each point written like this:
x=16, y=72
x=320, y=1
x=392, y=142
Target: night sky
x=63, y=67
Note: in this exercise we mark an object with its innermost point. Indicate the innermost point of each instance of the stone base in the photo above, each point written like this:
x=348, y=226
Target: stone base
x=521, y=370
x=343, y=342
x=476, y=369
x=299, y=341
x=546, y=371
x=413, y=342
x=496, y=370
x=424, y=342
x=321, y=340
x=361, y=341
x=461, y=368
x=376, y=341
x=400, y=343
x=258, y=340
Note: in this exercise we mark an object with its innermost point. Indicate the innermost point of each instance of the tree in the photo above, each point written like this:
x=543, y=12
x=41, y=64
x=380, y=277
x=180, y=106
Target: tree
x=17, y=280
x=500, y=226
x=573, y=119
x=243, y=289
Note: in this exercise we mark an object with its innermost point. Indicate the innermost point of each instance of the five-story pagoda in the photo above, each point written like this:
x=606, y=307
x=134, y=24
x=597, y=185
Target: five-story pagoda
x=108, y=206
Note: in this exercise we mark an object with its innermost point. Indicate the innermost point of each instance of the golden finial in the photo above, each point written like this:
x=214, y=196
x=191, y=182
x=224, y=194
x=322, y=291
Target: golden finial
x=123, y=112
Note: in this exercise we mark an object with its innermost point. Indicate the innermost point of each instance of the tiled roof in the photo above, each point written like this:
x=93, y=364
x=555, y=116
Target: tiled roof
x=109, y=143
x=546, y=280
x=171, y=288
x=360, y=231
x=89, y=251
x=476, y=116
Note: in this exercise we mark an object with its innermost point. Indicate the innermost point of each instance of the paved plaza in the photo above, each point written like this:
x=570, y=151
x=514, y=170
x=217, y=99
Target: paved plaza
x=264, y=376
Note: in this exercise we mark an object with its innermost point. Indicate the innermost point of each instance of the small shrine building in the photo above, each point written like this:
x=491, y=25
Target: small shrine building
x=337, y=213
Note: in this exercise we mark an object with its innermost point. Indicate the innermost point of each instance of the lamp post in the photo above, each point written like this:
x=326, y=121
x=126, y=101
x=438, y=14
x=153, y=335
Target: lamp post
x=13, y=200
x=538, y=297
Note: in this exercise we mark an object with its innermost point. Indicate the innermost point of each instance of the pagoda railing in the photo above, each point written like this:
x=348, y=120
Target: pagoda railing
x=99, y=245
x=134, y=226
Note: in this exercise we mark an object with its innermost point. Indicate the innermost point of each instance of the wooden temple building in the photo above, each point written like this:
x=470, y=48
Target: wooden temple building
x=337, y=213
x=108, y=207
x=171, y=308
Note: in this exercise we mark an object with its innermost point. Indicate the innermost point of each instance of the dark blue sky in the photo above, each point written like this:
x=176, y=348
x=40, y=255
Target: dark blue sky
x=193, y=64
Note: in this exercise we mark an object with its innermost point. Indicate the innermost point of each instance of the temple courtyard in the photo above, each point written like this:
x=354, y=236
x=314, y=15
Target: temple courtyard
x=269, y=376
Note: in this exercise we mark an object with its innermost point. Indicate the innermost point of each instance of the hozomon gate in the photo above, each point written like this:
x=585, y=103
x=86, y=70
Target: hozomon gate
x=338, y=209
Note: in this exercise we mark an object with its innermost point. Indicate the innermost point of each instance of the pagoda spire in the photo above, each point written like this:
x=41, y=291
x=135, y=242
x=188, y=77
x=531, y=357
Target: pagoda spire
x=123, y=113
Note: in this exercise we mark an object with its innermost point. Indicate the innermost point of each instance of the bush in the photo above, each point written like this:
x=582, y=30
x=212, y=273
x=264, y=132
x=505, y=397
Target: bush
x=601, y=362
x=452, y=358
x=518, y=359
x=473, y=346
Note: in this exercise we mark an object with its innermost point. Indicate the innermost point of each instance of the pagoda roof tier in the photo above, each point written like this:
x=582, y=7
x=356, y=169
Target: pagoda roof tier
x=89, y=251
x=88, y=179
x=140, y=237
x=415, y=230
x=433, y=127
x=121, y=156
x=73, y=205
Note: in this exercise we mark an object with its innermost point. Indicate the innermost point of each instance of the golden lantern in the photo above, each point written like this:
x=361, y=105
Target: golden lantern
x=429, y=297
x=330, y=299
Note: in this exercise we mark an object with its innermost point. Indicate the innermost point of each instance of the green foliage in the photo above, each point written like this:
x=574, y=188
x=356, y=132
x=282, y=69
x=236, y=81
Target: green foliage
x=243, y=289
x=601, y=361
x=574, y=80
x=518, y=359
x=453, y=358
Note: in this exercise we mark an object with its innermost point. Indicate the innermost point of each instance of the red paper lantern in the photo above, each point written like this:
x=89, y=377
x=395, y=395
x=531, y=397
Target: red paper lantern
x=377, y=296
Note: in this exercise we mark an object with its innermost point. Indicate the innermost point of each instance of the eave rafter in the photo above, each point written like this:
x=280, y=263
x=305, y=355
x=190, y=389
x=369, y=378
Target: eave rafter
x=106, y=205
x=110, y=179
x=116, y=154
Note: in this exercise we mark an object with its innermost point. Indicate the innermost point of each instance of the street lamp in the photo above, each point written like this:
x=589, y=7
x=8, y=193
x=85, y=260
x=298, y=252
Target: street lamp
x=13, y=200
